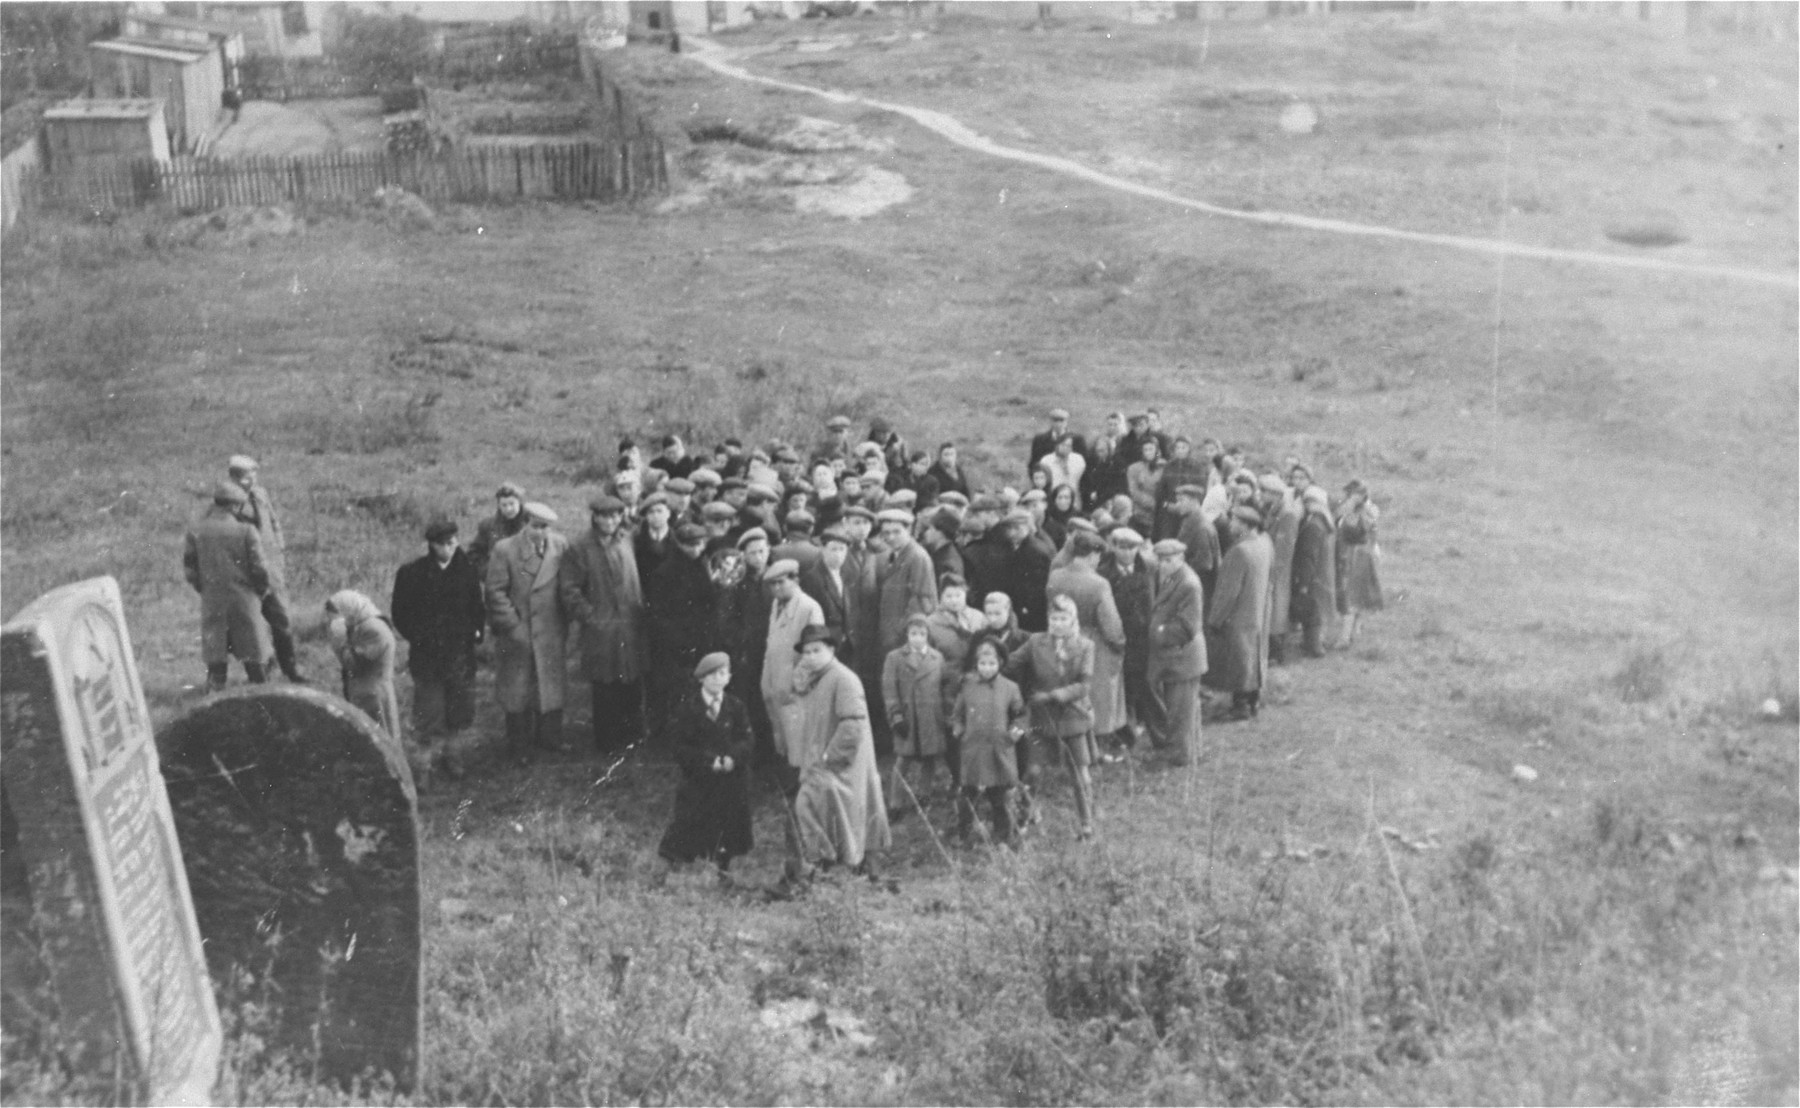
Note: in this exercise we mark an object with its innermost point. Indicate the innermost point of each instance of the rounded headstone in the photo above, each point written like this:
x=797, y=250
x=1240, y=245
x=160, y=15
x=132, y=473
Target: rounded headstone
x=299, y=822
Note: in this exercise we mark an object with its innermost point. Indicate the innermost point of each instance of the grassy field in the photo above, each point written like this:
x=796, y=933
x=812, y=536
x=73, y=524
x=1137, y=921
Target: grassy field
x=1588, y=477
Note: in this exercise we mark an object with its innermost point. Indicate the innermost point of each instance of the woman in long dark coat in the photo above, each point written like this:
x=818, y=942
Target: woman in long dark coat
x=712, y=744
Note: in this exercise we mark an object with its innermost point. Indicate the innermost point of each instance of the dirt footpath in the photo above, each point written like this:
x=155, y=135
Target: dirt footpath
x=303, y=127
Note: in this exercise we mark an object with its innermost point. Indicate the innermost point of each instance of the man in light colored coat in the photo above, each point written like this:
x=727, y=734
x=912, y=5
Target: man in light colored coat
x=1282, y=509
x=1081, y=582
x=1177, y=649
x=259, y=512
x=223, y=561
x=601, y=591
x=526, y=613
x=791, y=613
x=1240, y=612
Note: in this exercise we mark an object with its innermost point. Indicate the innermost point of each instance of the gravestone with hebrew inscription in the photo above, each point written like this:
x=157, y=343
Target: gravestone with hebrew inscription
x=103, y=964
x=301, y=825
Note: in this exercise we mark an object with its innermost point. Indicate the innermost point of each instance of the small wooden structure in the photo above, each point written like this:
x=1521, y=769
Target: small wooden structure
x=78, y=134
x=224, y=37
x=651, y=18
x=189, y=79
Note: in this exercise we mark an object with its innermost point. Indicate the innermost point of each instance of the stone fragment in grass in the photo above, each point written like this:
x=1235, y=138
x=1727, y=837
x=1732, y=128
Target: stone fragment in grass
x=1648, y=232
x=1524, y=774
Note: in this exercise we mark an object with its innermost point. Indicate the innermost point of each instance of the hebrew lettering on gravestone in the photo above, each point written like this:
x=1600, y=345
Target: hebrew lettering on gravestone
x=301, y=824
x=103, y=964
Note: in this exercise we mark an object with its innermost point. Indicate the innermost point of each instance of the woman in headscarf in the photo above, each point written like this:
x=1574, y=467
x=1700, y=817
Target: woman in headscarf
x=1054, y=669
x=1358, y=559
x=1064, y=505
x=713, y=743
x=1140, y=485
x=363, y=640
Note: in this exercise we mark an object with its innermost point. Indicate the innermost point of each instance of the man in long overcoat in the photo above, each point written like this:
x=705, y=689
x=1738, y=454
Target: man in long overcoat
x=1283, y=512
x=907, y=587
x=526, y=614
x=601, y=591
x=1131, y=579
x=1240, y=612
x=438, y=609
x=1315, y=571
x=1177, y=649
x=1025, y=570
x=838, y=809
x=791, y=613
x=825, y=582
x=679, y=611
x=1101, y=625
x=259, y=512
x=223, y=561
x=1197, y=534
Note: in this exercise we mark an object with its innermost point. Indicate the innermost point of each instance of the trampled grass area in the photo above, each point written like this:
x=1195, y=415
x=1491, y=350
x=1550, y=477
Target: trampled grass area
x=1590, y=540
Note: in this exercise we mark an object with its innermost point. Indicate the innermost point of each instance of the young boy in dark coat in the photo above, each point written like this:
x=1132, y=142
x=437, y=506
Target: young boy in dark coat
x=710, y=730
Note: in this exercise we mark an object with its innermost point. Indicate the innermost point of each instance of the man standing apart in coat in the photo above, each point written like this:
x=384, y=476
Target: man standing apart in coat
x=838, y=808
x=259, y=512
x=223, y=560
x=1240, y=612
x=438, y=610
x=1177, y=649
x=600, y=590
x=1315, y=571
x=525, y=612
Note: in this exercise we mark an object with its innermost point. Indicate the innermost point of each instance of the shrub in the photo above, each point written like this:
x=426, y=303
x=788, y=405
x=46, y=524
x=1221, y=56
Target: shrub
x=1644, y=676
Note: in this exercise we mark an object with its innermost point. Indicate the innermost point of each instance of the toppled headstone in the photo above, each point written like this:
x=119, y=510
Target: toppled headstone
x=302, y=830
x=102, y=954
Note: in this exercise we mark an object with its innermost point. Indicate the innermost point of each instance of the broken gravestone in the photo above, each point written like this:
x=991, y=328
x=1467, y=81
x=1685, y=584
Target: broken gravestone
x=301, y=824
x=103, y=967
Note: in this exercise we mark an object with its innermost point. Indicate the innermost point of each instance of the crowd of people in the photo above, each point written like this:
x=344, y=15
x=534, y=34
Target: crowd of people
x=821, y=612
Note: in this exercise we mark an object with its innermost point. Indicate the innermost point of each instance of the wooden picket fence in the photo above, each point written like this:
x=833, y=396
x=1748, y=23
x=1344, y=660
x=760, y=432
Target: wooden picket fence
x=618, y=170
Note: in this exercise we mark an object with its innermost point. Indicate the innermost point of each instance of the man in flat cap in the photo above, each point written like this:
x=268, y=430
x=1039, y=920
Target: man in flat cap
x=904, y=578
x=791, y=611
x=719, y=519
x=680, y=613
x=1281, y=509
x=825, y=582
x=438, y=609
x=1132, y=577
x=259, y=512
x=1044, y=442
x=654, y=540
x=680, y=492
x=836, y=443
x=746, y=609
x=796, y=542
x=1177, y=651
x=1239, y=615
x=525, y=613
x=1199, y=536
x=839, y=812
x=601, y=591
x=1025, y=570
x=223, y=560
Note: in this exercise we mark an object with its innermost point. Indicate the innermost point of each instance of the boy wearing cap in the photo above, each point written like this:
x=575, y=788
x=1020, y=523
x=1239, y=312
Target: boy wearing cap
x=223, y=560
x=526, y=614
x=712, y=743
x=437, y=608
x=601, y=591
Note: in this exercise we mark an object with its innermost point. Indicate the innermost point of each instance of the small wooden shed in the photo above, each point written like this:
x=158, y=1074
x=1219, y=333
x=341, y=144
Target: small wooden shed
x=227, y=39
x=81, y=133
x=188, y=78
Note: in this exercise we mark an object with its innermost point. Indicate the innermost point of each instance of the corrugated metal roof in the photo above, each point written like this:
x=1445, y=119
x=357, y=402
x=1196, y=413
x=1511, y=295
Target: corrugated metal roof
x=162, y=51
x=103, y=109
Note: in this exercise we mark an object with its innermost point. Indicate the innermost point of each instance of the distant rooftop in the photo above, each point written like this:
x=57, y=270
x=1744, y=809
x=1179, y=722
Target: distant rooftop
x=181, y=23
x=154, y=48
x=103, y=109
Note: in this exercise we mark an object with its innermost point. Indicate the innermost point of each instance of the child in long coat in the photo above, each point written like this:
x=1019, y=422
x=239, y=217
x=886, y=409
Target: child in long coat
x=912, y=688
x=1056, y=668
x=986, y=722
x=713, y=743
